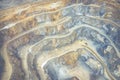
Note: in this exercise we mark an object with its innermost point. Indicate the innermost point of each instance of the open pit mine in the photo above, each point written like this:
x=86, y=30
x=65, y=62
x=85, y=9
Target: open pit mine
x=59, y=39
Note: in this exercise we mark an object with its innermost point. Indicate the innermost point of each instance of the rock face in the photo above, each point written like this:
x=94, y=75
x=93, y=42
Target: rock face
x=59, y=40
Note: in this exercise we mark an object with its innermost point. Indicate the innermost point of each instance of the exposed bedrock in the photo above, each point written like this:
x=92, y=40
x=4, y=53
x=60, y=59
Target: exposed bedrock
x=59, y=40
